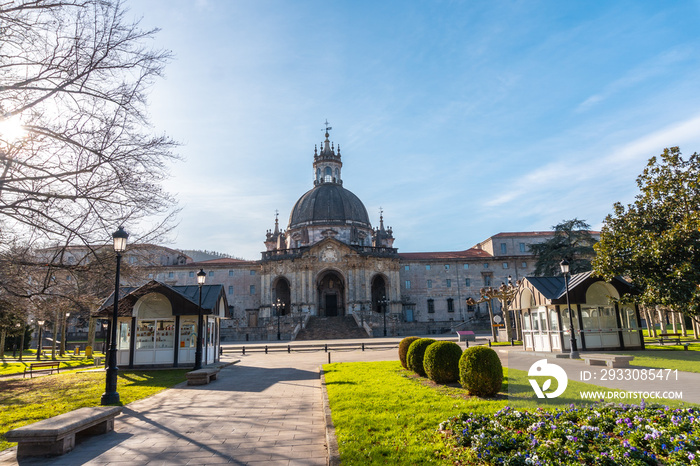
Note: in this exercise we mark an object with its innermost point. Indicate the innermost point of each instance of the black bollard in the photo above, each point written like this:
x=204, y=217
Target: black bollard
x=243, y=353
x=325, y=347
x=489, y=343
x=363, y=347
x=289, y=348
x=266, y=349
x=512, y=342
x=329, y=358
x=466, y=343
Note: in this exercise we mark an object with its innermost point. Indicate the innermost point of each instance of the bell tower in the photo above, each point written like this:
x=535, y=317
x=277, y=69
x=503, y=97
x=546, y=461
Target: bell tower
x=327, y=164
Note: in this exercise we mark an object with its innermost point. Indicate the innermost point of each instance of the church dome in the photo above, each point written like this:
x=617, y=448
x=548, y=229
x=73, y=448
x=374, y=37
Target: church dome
x=328, y=203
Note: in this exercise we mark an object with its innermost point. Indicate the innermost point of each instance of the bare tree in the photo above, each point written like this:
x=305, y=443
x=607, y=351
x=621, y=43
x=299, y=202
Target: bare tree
x=75, y=74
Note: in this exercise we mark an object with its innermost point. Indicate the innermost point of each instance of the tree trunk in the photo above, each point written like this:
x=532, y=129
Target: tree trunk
x=62, y=348
x=91, y=333
x=673, y=321
x=2, y=343
x=506, y=320
x=54, y=332
x=662, y=323
x=494, y=331
x=684, y=330
x=649, y=316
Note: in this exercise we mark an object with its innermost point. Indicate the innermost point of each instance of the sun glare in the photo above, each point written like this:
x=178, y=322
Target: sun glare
x=11, y=130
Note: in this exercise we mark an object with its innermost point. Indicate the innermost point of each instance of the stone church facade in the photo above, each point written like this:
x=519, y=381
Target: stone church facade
x=331, y=262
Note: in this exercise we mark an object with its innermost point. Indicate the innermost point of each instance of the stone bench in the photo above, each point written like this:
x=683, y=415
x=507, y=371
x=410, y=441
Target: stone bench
x=610, y=360
x=56, y=435
x=48, y=366
x=466, y=335
x=202, y=376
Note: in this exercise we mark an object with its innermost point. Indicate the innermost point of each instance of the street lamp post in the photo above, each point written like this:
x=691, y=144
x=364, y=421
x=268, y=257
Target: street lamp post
x=279, y=305
x=111, y=396
x=573, y=354
x=383, y=302
x=201, y=278
x=40, y=323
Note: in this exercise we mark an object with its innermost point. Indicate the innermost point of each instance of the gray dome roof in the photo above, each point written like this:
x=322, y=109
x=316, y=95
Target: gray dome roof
x=328, y=203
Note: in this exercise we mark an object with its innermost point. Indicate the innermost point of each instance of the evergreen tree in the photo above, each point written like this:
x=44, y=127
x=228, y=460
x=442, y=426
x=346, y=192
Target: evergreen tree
x=572, y=241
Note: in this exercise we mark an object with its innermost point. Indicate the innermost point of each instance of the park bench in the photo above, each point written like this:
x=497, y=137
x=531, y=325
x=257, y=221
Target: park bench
x=466, y=335
x=48, y=366
x=669, y=337
x=610, y=360
x=56, y=435
x=202, y=376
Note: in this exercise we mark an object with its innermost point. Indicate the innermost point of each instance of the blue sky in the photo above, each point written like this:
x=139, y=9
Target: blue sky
x=460, y=119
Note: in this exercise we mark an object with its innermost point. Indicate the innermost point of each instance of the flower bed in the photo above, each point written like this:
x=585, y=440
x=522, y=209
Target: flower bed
x=601, y=434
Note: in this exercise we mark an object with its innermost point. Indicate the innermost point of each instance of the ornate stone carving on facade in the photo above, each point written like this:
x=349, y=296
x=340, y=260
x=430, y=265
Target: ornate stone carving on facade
x=329, y=254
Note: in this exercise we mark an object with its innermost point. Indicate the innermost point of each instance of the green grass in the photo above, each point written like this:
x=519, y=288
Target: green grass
x=669, y=357
x=384, y=414
x=10, y=365
x=24, y=401
x=506, y=343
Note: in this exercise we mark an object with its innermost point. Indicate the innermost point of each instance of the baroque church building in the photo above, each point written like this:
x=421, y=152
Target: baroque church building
x=330, y=264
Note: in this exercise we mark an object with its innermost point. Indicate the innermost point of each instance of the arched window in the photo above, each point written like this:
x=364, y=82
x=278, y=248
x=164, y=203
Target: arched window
x=328, y=174
x=337, y=174
x=318, y=174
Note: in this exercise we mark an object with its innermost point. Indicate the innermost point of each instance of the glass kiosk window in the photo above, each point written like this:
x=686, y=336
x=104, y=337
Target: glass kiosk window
x=188, y=334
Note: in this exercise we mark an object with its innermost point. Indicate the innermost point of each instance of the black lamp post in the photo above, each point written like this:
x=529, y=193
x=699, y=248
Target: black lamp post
x=573, y=354
x=383, y=302
x=111, y=396
x=40, y=323
x=279, y=305
x=201, y=278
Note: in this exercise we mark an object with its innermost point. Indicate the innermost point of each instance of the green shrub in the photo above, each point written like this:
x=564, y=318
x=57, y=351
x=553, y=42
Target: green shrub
x=480, y=371
x=441, y=361
x=403, y=349
x=416, y=351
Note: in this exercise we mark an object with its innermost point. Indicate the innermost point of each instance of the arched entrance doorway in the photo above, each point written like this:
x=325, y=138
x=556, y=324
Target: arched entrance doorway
x=283, y=293
x=378, y=292
x=331, y=294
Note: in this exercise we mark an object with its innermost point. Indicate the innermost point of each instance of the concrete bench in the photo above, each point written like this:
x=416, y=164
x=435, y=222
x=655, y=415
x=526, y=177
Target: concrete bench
x=610, y=360
x=48, y=366
x=669, y=337
x=466, y=335
x=202, y=376
x=56, y=436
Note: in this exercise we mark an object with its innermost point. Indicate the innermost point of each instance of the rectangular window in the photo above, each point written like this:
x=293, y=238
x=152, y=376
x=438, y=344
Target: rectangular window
x=447, y=266
x=466, y=266
x=431, y=306
x=522, y=247
x=427, y=267
x=504, y=248
x=230, y=273
x=505, y=265
x=191, y=274
x=407, y=267
x=150, y=275
x=211, y=273
x=523, y=265
x=448, y=283
x=170, y=275
x=467, y=282
x=487, y=280
x=230, y=290
x=486, y=266
x=430, y=283
x=252, y=289
x=252, y=272
x=450, y=305
x=408, y=284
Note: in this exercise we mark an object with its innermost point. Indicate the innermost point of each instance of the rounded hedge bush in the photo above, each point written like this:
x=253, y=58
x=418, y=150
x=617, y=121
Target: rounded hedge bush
x=403, y=349
x=441, y=361
x=480, y=371
x=414, y=356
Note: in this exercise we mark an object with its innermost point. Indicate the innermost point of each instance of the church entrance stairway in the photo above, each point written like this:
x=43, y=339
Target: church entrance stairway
x=331, y=328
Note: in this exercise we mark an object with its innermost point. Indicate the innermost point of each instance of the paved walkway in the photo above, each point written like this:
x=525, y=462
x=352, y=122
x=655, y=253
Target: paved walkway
x=264, y=410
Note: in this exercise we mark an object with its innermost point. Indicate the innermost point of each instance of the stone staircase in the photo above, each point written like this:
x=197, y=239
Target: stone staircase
x=331, y=328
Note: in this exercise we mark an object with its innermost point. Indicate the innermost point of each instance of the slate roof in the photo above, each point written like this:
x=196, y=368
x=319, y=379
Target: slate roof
x=467, y=254
x=555, y=287
x=328, y=203
x=184, y=298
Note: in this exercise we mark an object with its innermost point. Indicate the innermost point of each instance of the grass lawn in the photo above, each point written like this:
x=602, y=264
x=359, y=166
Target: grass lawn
x=669, y=357
x=24, y=401
x=9, y=365
x=385, y=414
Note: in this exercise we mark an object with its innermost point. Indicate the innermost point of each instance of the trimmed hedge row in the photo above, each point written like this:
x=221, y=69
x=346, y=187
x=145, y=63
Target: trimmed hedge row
x=478, y=368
